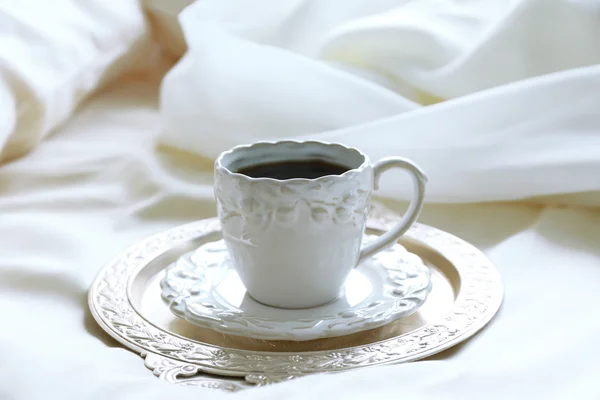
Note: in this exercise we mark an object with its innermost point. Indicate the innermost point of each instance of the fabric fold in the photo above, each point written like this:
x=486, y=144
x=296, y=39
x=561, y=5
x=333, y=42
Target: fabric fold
x=495, y=100
x=54, y=54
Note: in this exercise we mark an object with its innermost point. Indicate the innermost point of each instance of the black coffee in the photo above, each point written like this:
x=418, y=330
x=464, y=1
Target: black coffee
x=282, y=170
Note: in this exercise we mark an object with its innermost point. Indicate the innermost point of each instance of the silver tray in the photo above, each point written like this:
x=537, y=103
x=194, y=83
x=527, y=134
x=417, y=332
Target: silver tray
x=125, y=301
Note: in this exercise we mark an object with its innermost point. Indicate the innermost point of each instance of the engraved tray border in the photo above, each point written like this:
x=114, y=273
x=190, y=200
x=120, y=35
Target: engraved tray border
x=175, y=358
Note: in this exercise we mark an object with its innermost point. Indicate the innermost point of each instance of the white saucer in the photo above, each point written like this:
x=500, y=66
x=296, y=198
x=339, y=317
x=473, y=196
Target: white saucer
x=203, y=288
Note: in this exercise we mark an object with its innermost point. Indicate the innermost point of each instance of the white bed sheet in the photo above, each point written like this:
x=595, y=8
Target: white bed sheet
x=99, y=184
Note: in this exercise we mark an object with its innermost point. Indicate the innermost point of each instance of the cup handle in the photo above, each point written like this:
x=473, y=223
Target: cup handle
x=419, y=180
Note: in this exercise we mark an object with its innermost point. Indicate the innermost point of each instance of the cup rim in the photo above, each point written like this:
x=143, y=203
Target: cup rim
x=262, y=143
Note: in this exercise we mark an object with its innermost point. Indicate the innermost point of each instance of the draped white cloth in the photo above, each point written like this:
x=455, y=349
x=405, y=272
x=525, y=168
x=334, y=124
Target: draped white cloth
x=53, y=54
x=99, y=184
x=495, y=99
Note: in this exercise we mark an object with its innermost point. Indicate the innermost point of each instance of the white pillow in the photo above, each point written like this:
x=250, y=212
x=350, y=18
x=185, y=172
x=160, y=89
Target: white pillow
x=54, y=53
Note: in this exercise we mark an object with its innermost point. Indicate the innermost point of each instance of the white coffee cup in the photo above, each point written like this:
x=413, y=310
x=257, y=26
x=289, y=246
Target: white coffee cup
x=294, y=241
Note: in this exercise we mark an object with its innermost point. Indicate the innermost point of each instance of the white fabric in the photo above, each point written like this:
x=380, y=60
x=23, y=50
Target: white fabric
x=101, y=183
x=517, y=87
x=53, y=54
x=165, y=24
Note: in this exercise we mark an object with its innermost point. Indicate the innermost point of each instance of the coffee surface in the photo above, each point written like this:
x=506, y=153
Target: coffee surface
x=282, y=170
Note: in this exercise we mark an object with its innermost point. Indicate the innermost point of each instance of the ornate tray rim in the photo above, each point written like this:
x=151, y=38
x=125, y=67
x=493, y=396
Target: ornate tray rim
x=171, y=355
